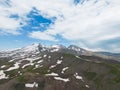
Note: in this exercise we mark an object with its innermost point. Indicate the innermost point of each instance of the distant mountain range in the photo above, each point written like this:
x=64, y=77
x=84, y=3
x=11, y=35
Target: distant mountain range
x=36, y=48
x=56, y=67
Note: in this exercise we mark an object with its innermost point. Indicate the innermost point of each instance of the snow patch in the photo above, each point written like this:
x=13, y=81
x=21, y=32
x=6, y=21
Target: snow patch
x=53, y=66
x=44, y=56
x=87, y=86
x=31, y=47
x=77, y=57
x=59, y=61
x=49, y=57
x=19, y=72
x=40, y=61
x=2, y=75
x=75, y=48
x=11, y=60
x=62, y=79
x=3, y=66
x=61, y=57
x=54, y=50
x=31, y=85
x=64, y=69
x=36, y=66
x=78, y=77
x=52, y=74
x=32, y=59
x=28, y=64
x=16, y=66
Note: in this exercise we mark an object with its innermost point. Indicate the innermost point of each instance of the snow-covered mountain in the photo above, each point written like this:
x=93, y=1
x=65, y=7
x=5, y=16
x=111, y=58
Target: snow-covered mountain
x=36, y=49
x=56, y=67
x=24, y=52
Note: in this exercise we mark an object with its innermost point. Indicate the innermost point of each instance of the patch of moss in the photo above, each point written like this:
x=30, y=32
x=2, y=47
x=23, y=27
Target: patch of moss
x=29, y=69
x=89, y=75
x=11, y=73
x=82, y=88
x=98, y=81
x=117, y=79
x=22, y=79
x=41, y=70
x=115, y=69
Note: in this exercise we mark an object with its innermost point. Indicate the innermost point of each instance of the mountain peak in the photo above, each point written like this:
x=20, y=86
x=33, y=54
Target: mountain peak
x=57, y=46
x=35, y=44
x=33, y=47
x=74, y=47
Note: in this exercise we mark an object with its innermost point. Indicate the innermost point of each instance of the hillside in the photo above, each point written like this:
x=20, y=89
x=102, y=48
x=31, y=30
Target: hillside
x=37, y=67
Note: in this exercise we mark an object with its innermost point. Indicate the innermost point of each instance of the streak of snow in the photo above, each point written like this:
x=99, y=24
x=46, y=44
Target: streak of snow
x=11, y=60
x=31, y=85
x=87, y=86
x=52, y=74
x=76, y=49
x=53, y=66
x=2, y=75
x=44, y=56
x=31, y=47
x=32, y=59
x=3, y=66
x=78, y=77
x=59, y=61
x=28, y=64
x=54, y=50
x=77, y=57
x=40, y=61
x=64, y=69
x=62, y=79
x=16, y=66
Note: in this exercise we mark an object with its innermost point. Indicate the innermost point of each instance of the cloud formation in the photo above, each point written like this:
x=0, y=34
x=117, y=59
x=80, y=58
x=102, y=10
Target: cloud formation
x=88, y=23
x=42, y=36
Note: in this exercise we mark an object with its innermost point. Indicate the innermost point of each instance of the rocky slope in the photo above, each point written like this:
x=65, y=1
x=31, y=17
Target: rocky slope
x=37, y=67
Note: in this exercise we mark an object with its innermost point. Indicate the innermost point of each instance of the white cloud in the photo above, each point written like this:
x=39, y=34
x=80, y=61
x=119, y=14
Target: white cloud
x=42, y=36
x=13, y=7
x=90, y=22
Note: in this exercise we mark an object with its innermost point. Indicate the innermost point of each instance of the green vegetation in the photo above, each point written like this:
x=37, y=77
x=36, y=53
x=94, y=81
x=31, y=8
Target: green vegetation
x=115, y=70
x=22, y=79
x=41, y=70
x=117, y=79
x=98, y=81
x=29, y=68
x=89, y=75
x=19, y=86
x=82, y=88
x=11, y=73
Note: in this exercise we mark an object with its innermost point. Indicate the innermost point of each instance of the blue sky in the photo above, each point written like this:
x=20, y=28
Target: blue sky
x=90, y=24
